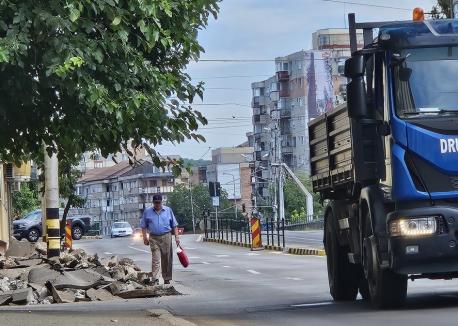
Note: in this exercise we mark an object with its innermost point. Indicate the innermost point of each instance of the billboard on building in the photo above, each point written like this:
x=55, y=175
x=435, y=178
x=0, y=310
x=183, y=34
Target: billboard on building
x=320, y=91
x=229, y=178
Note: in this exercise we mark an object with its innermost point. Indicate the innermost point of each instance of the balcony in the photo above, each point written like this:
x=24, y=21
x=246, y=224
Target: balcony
x=285, y=130
x=255, y=103
x=285, y=113
x=287, y=149
x=284, y=92
x=282, y=75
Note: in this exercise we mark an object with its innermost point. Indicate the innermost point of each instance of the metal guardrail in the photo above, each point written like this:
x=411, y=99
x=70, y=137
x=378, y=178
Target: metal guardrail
x=317, y=224
x=239, y=231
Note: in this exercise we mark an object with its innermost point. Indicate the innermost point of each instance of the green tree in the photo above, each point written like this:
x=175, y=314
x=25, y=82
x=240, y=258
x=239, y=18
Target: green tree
x=80, y=75
x=25, y=200
x=180, y=202
x=295, y=207
x=443, y=9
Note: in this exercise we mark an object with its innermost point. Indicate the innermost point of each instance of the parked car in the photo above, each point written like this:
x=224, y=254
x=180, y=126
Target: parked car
x=30, y=226
x=121, y=229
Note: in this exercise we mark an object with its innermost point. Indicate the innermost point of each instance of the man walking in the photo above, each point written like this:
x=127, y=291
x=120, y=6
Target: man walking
x=159, y=222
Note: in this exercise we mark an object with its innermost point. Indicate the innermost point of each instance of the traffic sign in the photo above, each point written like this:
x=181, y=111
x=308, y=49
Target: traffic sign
x=215, y=201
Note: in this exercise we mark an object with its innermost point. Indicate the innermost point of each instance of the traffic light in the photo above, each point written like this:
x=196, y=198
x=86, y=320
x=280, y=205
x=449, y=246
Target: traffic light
x=214, y=188
x=243, y=208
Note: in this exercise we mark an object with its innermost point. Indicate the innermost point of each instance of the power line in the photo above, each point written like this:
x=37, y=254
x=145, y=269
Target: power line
x=366, y=4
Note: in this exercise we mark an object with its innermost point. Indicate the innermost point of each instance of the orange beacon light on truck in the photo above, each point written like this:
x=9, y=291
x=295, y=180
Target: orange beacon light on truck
x=418, y=14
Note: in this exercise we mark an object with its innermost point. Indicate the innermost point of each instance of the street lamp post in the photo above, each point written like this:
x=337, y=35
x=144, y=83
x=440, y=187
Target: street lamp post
x=235, y=200
x=192, y=209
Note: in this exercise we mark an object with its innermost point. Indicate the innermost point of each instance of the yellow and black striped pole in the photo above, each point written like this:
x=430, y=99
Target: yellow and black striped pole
x=256, y=240
x=68, y=236
x=52, y=204
x=53, y=232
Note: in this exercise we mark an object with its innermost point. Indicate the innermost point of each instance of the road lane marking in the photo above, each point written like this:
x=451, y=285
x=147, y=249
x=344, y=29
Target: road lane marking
x=190, y=248
x=252, y=254
x=138, y=249
x=317, y=304
x=226, y=266
x=276, y=252
x=108, y=253
x=205, y=263
x=293, y=278
x=221, y=256
x=194, y=257
x=253, y=272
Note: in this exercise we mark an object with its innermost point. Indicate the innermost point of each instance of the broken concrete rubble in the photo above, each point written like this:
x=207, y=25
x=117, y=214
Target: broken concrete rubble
x=75, y=276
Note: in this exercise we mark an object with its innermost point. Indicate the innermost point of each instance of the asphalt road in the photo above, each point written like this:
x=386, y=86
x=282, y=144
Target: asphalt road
x=226, y=285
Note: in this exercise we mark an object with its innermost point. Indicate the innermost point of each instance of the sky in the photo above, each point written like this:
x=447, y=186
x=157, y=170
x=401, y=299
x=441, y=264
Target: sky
x=262, y=30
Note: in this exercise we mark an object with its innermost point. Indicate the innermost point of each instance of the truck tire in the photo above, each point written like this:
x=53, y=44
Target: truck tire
x=77, y=232
x=387, y=289
x=33, y=235
x=342, y=275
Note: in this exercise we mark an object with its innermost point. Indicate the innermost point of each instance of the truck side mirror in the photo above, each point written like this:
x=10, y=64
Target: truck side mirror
x=356, y=88
x=354, y=66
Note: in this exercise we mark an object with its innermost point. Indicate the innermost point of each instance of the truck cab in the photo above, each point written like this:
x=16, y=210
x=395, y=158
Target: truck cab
x=387, y=161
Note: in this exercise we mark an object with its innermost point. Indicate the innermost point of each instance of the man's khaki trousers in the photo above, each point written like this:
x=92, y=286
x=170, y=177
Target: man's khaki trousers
x=162, y=255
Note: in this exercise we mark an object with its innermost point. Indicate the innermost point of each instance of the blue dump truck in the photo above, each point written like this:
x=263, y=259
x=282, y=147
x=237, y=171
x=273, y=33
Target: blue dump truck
x=386, y=162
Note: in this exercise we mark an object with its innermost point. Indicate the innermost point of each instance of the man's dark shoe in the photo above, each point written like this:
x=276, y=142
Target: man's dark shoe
x=167, y=282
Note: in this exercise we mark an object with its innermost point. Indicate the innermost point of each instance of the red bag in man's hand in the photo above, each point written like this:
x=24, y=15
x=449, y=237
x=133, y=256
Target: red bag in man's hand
x=184, y=260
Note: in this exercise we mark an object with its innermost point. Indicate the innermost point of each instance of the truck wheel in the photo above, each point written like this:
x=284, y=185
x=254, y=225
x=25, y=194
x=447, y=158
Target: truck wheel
x=387, y=289
x=77, y=232
x=33, y=235
x=342, y=275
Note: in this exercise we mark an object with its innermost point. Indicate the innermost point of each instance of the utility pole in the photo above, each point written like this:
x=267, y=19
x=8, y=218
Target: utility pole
x=52, y=204
x=192, y=209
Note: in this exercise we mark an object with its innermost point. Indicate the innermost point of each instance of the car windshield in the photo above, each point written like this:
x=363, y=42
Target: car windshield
x=421, y=87
x=32, y=215
x=121, y=225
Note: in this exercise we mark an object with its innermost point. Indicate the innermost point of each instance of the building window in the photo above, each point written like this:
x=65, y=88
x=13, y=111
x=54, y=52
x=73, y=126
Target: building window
x=164, y=183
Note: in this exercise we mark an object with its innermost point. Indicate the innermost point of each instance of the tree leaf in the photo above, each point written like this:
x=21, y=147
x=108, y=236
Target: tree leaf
x=74, y=14
x=116, y=21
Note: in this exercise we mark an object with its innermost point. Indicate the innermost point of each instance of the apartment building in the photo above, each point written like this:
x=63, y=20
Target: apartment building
x=119, y=192
x=305, y=84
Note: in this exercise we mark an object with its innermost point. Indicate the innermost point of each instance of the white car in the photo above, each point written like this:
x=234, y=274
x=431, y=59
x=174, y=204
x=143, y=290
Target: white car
x=121, y=229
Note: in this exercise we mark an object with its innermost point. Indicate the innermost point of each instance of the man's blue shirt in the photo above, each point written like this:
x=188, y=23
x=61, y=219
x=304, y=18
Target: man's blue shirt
x=158, y=223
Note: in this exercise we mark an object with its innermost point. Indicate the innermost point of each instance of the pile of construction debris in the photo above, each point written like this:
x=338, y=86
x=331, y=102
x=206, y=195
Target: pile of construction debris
x=31, y=278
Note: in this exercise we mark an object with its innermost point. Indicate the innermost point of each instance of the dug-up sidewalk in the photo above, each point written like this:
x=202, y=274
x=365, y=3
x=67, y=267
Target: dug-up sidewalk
x=129, y=318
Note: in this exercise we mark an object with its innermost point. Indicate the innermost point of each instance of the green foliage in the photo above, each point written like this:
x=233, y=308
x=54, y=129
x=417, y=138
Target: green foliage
x=195, y=163
x=442, y=9
x=85, y=75
x=25, y=200
x=295, y=200
x=180, y=202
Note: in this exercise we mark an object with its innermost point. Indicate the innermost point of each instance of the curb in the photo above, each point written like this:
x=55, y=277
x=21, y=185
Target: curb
x=169, y=318
x=306, y=252
x=91, y=237
x=292, y=251
x=227, y=242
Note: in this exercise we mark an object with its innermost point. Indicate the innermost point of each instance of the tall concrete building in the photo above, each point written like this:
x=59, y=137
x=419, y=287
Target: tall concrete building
x=306, y=84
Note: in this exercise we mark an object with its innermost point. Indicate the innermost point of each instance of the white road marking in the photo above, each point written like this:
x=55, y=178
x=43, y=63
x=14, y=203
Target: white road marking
x=275, y=252
x=253, y=272
x=252, y=254
x=190, y=248
x=199, y=238
x=108, y=253
x=194, y=257
x=221, y=256
x=293, y=278
x=317, y=304
x=205, y=263
x=227, y=266
x=138, y=249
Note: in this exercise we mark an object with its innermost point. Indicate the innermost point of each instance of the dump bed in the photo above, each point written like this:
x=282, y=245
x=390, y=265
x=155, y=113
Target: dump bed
x=330, y=150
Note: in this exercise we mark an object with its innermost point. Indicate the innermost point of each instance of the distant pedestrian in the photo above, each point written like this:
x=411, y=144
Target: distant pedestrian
x=159, y=222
